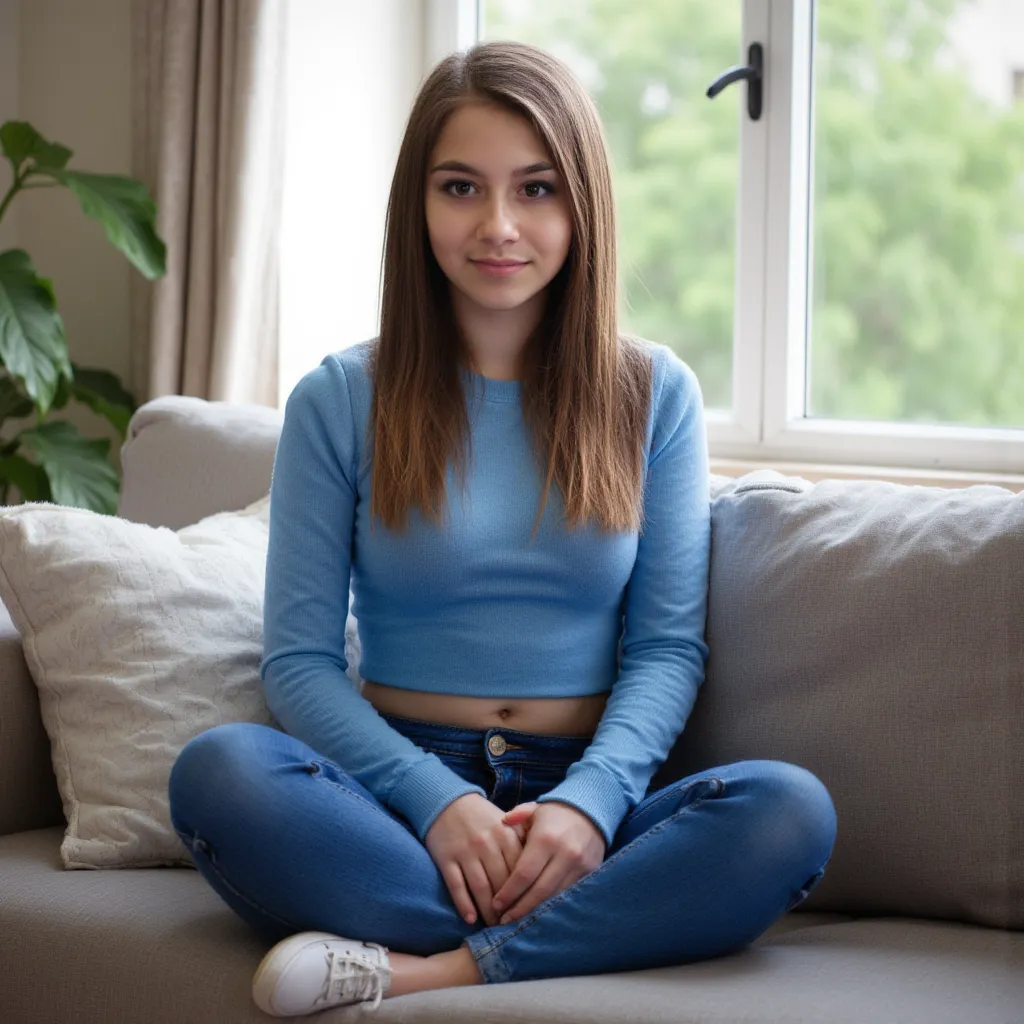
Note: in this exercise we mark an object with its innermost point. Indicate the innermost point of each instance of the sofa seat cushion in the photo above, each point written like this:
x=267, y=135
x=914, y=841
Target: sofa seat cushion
x=157, y=945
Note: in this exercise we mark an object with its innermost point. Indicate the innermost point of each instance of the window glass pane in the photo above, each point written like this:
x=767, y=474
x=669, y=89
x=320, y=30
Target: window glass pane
x=675, y=155
x=918, y=241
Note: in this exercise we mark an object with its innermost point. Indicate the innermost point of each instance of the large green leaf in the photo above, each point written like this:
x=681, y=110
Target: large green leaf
x=30, y=479
x=32, y=343
x=126, y=211
x=22, y=142
x=14, y=403
x=80, y=473
x=103, y=392
x=63, y=395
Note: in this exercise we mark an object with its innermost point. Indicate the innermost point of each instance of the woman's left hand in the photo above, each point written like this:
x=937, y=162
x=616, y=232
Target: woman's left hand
x=562, y=846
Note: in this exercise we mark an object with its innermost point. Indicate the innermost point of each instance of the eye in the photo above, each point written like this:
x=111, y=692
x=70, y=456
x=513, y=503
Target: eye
x=456, y=184
x=550, y=189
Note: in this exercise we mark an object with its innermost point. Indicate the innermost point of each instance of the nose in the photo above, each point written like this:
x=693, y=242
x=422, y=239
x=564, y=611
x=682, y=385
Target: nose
x=497, y=222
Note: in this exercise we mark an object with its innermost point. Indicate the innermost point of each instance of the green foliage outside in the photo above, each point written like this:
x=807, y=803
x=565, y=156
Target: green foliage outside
x=53, y=461
x=918, y=305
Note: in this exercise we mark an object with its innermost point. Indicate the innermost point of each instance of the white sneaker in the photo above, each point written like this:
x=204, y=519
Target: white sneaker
x=312, y=971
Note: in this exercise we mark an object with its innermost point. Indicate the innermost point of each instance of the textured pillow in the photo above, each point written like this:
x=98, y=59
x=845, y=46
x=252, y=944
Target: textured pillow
x=874, y=634
x=138, y=638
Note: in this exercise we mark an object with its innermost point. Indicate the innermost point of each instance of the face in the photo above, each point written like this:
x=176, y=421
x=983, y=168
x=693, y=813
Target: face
x=497, y=215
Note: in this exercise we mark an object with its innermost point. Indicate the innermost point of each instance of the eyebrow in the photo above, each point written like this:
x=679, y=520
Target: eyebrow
x=457, y=165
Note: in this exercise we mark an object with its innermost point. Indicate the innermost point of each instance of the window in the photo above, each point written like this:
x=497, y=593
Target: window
x=845, y=274
x=350, y=85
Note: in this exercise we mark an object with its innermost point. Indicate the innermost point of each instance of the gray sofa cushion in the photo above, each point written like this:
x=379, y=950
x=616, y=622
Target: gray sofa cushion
x=157, y=945
x=874, y=633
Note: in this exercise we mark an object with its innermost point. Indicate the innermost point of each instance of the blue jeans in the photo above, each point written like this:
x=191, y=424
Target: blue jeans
x=699, y=869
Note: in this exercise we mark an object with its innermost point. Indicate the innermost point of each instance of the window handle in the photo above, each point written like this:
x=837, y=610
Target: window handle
x=753, y=72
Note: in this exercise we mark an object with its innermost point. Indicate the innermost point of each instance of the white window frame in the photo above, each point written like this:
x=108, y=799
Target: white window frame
x=767, y=423
x=449, y=26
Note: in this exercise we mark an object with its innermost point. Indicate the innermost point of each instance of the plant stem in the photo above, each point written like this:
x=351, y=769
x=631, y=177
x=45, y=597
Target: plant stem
x=11, y=192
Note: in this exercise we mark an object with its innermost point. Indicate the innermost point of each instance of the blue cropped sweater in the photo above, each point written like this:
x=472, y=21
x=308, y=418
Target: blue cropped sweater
x=472, y=607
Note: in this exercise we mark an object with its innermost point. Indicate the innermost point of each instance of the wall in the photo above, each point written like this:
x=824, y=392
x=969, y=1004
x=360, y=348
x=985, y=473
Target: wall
x=10, y=31
x=67, y=72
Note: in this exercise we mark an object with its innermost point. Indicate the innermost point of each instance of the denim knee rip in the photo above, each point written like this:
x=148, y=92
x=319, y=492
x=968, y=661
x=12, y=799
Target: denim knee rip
x=805, y=890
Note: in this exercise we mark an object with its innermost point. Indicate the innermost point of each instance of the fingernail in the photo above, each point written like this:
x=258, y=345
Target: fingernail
x=498, y=905
x=470, y=918
x=505, y=920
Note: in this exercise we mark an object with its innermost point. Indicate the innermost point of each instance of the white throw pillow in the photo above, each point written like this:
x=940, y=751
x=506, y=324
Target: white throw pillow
x=138, y=638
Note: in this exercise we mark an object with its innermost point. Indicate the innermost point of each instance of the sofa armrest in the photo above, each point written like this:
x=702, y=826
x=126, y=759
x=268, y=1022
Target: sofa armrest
x=186, y=458
x=28, y=788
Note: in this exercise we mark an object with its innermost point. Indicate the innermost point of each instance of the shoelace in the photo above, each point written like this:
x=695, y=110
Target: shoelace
x=366, y=983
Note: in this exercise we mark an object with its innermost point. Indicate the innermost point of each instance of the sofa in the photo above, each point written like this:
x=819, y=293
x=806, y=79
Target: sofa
x=873, y=633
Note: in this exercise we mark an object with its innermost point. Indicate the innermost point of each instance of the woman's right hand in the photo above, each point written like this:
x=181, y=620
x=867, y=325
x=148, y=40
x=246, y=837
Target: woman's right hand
x=475, y=853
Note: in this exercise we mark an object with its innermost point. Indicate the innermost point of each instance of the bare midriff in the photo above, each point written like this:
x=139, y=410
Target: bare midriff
x=547, y=716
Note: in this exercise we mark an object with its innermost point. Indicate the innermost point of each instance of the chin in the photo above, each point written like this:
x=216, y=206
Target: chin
x=501, y=305
x=496, y=300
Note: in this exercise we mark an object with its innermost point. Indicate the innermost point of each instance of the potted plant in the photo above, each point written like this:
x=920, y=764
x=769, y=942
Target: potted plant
x=53, y=461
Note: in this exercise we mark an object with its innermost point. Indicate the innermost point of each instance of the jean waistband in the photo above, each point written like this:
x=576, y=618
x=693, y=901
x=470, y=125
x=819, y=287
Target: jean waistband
x=462, y=740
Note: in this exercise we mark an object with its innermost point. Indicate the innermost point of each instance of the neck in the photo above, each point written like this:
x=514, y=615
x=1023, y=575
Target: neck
x=496, y=339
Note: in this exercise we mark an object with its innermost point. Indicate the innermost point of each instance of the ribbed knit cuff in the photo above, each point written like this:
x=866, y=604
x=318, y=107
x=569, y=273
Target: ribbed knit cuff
x=595, y=793
x=425, y=790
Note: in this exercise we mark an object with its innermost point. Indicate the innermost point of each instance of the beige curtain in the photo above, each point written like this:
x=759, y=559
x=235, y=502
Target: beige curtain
x=208, y=141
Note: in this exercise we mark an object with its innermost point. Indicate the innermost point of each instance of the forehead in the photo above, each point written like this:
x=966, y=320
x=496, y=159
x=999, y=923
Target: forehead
x=489, y=137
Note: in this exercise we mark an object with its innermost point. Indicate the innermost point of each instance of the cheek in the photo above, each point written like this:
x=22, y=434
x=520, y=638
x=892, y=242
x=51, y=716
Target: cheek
x=557, y=237
x=440, y=230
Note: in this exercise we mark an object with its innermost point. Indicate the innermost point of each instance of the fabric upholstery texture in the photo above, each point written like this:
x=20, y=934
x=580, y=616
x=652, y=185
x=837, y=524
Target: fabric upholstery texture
x=138, y=638
x=28, y=789
x=185, y=459
x=874, y=634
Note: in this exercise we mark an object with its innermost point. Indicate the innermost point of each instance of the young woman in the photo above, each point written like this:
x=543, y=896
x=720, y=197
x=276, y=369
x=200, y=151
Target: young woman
x=518, y=496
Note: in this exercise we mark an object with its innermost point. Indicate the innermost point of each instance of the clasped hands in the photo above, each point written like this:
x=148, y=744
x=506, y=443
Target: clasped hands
x=505, y=863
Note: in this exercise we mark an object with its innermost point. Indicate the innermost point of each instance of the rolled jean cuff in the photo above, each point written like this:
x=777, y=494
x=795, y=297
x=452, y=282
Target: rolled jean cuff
x=485, y=945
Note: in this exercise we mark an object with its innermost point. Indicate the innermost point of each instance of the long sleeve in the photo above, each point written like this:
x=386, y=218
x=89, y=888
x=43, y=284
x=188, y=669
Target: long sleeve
x=312, y=507
x=663, y=651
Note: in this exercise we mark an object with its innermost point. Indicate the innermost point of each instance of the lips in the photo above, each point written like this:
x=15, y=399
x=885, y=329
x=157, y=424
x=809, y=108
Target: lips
x=499, y=268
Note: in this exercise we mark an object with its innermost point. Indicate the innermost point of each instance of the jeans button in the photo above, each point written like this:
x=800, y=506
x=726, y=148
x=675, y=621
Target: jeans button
x=497, y=745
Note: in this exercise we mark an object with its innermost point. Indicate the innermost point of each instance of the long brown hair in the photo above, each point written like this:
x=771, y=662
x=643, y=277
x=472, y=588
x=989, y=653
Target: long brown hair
x=586, y=390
